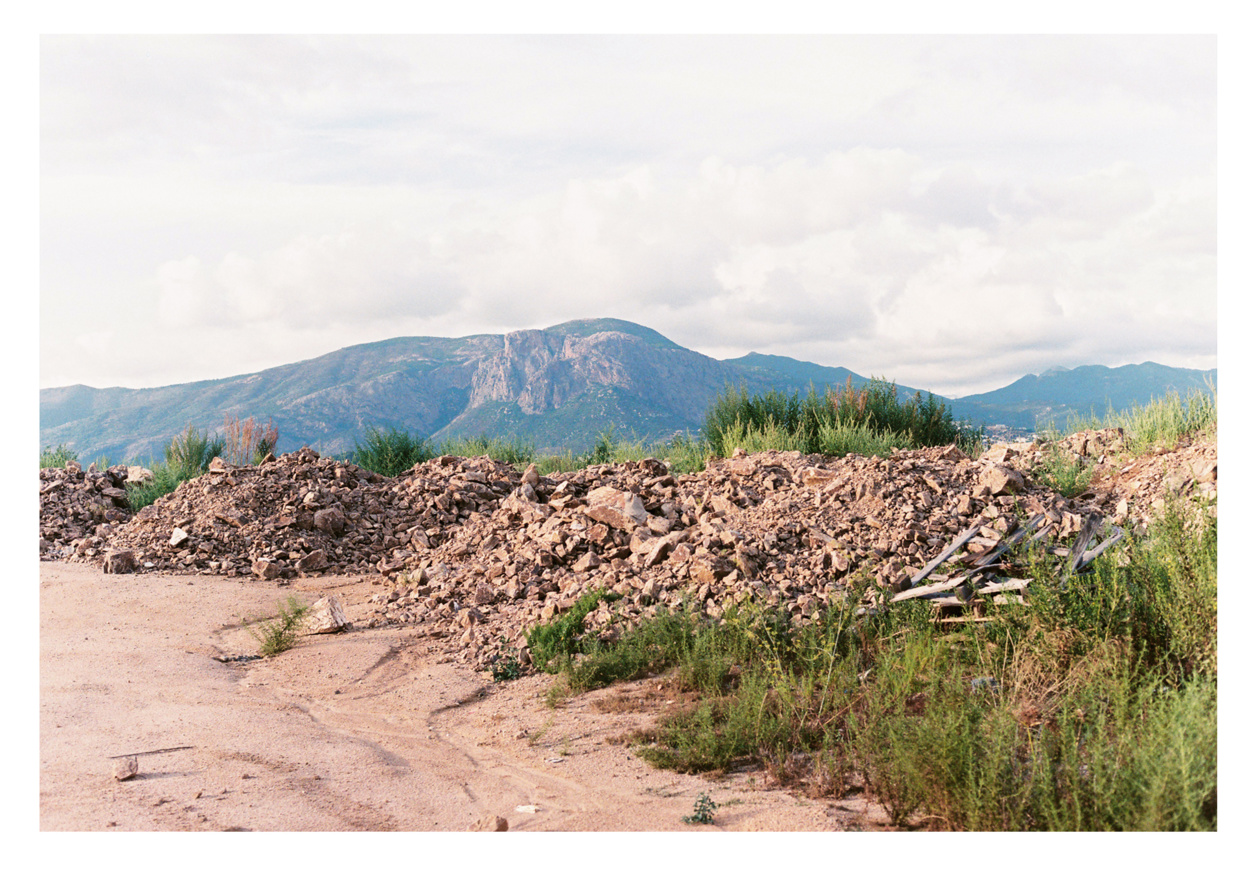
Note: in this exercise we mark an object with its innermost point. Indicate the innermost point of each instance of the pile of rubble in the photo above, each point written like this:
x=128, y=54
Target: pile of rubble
x=302, y=514
x=75, y=503
x=477, y=552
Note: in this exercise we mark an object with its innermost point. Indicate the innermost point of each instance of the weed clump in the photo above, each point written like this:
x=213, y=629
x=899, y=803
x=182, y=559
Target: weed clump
x=391, y=451
x=1093, y=706
x=704, y=811
x=50, y=458
x=871, y=421
x=281, y=634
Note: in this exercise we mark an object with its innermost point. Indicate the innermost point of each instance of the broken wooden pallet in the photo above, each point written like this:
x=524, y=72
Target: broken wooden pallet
x=968, y=588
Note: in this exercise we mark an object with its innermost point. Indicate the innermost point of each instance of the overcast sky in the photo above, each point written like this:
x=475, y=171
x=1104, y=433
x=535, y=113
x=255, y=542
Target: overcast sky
x=947, y=212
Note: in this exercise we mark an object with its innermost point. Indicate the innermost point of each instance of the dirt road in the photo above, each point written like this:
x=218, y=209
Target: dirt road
x=367, y=730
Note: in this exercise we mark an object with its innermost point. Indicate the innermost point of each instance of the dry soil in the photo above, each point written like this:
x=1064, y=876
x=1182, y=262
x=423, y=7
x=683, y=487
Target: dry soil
x=372, y=729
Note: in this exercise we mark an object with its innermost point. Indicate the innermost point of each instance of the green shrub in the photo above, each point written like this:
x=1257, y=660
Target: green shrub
x=553, y=644
x=704, y=810
x=50, y=458
x=281, y=634
x=390, y=451
x=1067, y=473
x=840, y=421
x=165, y=480
x=189, y=454
x=513, y=451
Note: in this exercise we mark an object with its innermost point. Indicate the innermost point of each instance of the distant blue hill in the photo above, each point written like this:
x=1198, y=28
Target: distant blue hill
x=1054, y=395
x=559, y=387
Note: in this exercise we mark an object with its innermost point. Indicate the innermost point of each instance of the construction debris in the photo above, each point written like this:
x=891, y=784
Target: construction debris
x=475, y=552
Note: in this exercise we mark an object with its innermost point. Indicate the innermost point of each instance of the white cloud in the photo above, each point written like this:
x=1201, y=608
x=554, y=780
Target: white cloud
x=949, y=212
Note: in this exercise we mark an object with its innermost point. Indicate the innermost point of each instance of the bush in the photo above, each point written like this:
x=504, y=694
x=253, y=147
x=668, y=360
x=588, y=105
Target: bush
x=281, y=634
x=391, y=451
x=870, y=421
x=188, y=455
x=50, y=458
x=248, y=442
x=1064, y=471
x=165, y=480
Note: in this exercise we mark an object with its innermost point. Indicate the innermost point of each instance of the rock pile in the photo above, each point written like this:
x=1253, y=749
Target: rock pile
x=477, y=552
x=787, y=528
x=74, y=503
x=305, y=514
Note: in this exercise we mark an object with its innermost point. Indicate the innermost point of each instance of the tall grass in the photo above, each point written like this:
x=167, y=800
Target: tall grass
x=682, y=452
x=1162, y=422
x=188, y=455
x=50, y=458
x=390, y=451
x=247, y=441
x=1094, y=706
x=513, y=451
x=869, y=421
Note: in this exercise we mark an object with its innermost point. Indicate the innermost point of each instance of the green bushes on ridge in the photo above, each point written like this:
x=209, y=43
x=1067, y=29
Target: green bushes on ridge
x=870, y=421
x=390, y=451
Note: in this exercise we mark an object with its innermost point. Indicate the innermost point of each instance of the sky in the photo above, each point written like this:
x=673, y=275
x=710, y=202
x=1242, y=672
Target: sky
x=950, y=212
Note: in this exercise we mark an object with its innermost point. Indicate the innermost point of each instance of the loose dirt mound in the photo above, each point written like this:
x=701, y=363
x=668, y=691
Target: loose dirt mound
x=476, y=551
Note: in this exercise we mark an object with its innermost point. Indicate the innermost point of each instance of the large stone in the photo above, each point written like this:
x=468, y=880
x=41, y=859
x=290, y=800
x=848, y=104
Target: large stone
x=587, y=562
x=314, y=561
x=660, y=549
x=999, y=479
x=619, y=510
x=118, y=562
x=126, y=768
x=326, y=616
x=331, y=521
x=266, y=569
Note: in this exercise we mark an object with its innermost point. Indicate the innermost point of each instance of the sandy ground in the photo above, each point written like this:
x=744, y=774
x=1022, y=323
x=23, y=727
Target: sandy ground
x=366, y=730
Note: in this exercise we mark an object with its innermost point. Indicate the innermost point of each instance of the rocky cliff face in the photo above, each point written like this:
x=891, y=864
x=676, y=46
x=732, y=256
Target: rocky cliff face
x=559, y=387
x=541, y=370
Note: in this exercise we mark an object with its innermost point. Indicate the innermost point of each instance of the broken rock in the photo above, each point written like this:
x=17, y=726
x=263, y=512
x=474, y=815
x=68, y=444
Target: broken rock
x=126, y=768
x=326, y=616
x=119, y=562
x=1000, y=479
x=265, y=569
x=619, y=510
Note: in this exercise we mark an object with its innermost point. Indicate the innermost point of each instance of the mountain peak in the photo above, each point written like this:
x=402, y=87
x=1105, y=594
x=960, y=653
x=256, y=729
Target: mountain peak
x=584, y=327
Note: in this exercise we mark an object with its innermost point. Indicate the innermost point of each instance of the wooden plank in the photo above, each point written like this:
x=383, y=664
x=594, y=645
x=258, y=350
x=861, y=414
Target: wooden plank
x=1090, y=528
x=929, y=590
x=945, y=554
x=1091, y=555
x=1013, y=540
x=152, y=752
x=1002, y=586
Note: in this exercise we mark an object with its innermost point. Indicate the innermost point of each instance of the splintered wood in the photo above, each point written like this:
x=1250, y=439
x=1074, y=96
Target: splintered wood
x=967, y=592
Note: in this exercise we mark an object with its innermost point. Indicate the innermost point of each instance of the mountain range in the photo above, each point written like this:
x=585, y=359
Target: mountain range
x=559, y=388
